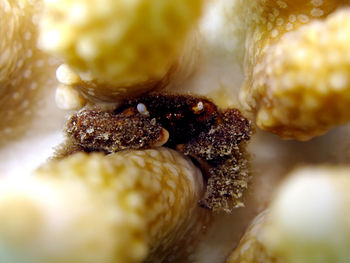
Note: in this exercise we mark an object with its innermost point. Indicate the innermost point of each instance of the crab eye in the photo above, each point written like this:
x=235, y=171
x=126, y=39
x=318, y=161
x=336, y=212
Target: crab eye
x=141, y=108
x=198, y=108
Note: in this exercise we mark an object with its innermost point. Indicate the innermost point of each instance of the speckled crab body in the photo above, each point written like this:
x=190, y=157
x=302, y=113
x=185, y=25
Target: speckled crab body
x=215, y=139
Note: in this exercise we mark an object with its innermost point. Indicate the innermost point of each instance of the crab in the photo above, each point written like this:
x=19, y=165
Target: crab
x=214, y=139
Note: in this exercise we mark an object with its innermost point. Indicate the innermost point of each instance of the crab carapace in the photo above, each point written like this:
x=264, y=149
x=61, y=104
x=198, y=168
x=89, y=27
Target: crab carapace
x=195, y=126
x=184, y=117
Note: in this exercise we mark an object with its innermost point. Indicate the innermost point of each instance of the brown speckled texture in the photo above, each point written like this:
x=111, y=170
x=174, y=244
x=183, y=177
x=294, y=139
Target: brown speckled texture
x=223, y=150
x=95, y=130
x=215, y=139
x=178, y=114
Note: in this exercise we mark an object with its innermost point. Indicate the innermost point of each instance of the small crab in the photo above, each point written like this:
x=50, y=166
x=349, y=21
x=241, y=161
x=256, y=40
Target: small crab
x=213, y=138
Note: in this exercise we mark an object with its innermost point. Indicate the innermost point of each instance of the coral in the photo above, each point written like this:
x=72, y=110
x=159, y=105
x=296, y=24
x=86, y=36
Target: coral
x=250, y=248
x=117, y=48
x=25, y=71
x=306, y=222
x=124, y=207
x=296, y=65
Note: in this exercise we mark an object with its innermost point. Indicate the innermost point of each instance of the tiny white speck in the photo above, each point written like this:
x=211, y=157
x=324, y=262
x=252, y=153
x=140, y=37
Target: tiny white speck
x=20, y=63
x=29, y=53
x=303, y=18
x=39, y=63
x=5, y=55
x=269, y=26
x=200, y=105
x=25, y=104
x=27, y=73
x=292, y=18
x=7, y=130
x=271, y=17
x=289, y=26
x=339, y=81
x=33, y=85
x=52, y=61
x=15, y=95
x=140, y=161
x=35, y=19
x=90, y=130
x=317, y=2
x=276, y=12
x=27, y=35
x=279, y=21
x=282, y=4
x=141, y=108
x=171, y=184
x=317, y=12
x=274, y=33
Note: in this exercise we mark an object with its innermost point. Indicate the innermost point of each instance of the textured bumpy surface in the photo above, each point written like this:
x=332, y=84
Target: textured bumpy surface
x=24, y=70
x=306, y=223
x=118, y=47
x=183, y=116
x=96, y=130
x=192, y=125
x=124, y=207
x=250, y=248
x=297, y=65
x=223, y=150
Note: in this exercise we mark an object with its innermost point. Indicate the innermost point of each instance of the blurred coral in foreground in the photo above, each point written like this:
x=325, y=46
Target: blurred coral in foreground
x=307, y=221
x=25, y=71
x=118, y=48
x=297, y=65
x=124, y=207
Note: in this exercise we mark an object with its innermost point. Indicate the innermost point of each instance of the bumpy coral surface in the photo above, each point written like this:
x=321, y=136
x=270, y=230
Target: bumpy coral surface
x=306, y=223
x=118, y=47
x=250, y=248
x=124, y=207
x=24, y=70
x=297, y=65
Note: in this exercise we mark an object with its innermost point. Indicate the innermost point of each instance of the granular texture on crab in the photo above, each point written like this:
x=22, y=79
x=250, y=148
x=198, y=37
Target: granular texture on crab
x=222, y=149
x=118, y=48
x=125, y=207
x=95, y=130
x=228, y=180
x=216, y=139
x=183, y=116
x=222, y=139
x=296, y=65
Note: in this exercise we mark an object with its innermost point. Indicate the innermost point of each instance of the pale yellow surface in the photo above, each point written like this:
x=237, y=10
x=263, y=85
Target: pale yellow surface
x=118, y=47
x=94, y=208
x=307, y=221
x=297, y=66
x=25, y=72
